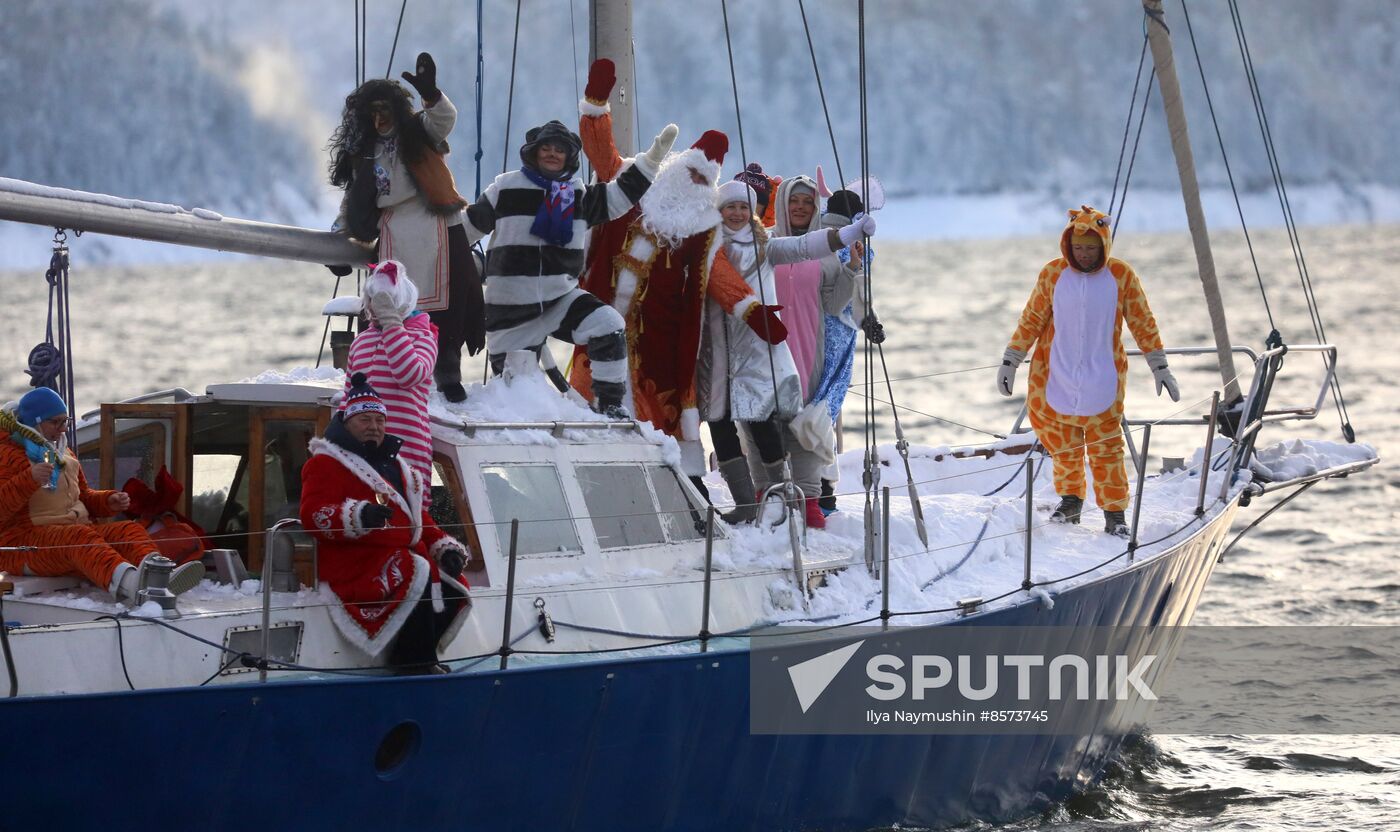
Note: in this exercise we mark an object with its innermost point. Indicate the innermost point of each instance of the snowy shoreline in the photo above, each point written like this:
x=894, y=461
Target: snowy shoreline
x=904, y=219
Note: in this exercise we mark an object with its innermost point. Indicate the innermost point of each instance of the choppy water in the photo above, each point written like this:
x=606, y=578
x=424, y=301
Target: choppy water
x=1328, y=558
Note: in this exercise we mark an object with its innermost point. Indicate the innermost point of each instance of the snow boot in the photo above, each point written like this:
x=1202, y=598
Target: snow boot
x=736, y=475
x=454, y=392
x=1068, y=510
x=1115, y=524
x=611, y=408
x=828, y=498
x=815, y=518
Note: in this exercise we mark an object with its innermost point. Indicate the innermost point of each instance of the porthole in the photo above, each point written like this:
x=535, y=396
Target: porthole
x=396, y=749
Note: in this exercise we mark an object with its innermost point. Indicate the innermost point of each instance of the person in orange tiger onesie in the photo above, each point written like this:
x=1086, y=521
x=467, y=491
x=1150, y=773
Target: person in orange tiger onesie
x=45, y=502
x=1075, y=318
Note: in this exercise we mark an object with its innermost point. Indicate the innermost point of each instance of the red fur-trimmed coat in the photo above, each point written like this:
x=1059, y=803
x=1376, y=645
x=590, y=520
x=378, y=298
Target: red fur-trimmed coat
x=373, y=571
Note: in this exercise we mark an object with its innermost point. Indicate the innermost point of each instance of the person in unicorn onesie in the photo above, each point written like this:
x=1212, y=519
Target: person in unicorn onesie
x=45, y=502
x=813, y=293
x=397, y=353
x=1074, y=319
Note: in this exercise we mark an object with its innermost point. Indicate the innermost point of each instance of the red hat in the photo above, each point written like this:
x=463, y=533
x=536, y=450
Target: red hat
x=714, y=144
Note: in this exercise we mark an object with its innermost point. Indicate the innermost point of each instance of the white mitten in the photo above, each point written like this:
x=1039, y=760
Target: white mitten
x=1157, y=360
x=1006, y=375
x=864, y=224
x=384, y=311
x=650, y=162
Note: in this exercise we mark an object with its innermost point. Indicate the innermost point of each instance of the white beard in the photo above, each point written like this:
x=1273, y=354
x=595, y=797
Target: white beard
x=674, y=207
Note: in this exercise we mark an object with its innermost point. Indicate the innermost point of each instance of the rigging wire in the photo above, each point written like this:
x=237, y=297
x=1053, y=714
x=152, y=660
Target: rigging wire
x=821, y=92
x=1132, y=105
x=395, y=48
x=744, y=157
x=1274, y=336
x=510, y=96
x=1132, y=160
x=1294, y=239
x=480, y=75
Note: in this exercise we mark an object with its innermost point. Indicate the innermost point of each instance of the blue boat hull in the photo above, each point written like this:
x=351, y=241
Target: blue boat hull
x=635, y=744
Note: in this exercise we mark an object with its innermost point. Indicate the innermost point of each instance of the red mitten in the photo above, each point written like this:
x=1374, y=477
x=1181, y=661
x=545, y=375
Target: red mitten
x=764, y=321
x=601, y=77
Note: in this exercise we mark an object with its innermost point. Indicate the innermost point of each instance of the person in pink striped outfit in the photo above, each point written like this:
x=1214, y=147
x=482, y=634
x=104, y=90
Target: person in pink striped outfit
x=396, y=353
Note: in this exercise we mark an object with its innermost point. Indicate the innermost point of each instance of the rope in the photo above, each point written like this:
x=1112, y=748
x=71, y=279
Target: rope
x=1294, y=239
x=1234, y=192
x=390, y=68
x=510, y=99
x=51, y=362
x=820, y=91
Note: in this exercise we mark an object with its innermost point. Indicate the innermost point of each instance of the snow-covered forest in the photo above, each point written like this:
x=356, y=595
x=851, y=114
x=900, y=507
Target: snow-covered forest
x=228, y=105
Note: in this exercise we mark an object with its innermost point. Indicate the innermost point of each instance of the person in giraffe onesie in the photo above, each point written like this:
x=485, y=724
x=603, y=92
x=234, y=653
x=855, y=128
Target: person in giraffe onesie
x=1075, y=318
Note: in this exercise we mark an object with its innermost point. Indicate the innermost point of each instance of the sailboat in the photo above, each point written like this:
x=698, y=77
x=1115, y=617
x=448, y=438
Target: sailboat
x=603, y=678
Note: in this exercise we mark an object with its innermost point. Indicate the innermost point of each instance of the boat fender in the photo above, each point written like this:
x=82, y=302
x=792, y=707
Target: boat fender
x=546, y=621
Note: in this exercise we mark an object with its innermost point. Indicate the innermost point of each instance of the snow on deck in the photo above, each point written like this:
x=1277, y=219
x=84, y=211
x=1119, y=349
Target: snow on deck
x=974, y=512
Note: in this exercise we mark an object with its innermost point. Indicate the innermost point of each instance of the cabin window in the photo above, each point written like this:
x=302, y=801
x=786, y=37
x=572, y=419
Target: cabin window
x=681, y=514
x=442, y=506
x=211, y=481
x=534, y=495
x=284, y=453
x=620, y=505
x=140, y=453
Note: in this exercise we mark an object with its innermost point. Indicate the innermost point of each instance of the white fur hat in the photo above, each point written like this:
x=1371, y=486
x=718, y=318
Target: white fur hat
x=733, y=191
x=391, y=278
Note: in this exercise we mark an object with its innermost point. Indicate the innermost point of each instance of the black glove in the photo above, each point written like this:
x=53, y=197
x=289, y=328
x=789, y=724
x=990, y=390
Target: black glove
x=452, y=561
x=375, y=516
x=340, y=271
x=874, y=330
x=426, y=79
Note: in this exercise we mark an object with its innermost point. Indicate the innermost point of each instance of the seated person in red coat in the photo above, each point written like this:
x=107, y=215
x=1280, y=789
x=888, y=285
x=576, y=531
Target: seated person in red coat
x=397, y=574
x=45, y=503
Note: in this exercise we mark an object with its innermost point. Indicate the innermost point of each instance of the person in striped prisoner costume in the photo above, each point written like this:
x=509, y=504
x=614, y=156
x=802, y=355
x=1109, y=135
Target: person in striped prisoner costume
x=1075, y=318
x=397, y=352
x=45, y=502
x=537, y=217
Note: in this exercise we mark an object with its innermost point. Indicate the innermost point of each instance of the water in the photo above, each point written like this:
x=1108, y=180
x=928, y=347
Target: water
x=1325, y=559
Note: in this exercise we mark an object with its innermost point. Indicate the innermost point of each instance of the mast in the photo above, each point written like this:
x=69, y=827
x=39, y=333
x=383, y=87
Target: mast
x=102, y=214
x=610, y=36
x=1160, y=39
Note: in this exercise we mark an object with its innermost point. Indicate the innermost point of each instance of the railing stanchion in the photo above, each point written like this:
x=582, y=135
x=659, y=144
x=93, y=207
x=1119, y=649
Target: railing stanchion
x=1207, y=456
x=1137, y=499
x=268, y=550
x=709, y=560
x=885, y=559
x=510, y=593
x=1030, y=519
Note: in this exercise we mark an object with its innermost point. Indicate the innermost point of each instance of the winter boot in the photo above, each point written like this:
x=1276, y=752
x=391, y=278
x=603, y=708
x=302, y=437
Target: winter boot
x=736, y=475
x=815, y=518
x=1068, y=510
x=828, y=498
x=454, y=392
x=1114, y=523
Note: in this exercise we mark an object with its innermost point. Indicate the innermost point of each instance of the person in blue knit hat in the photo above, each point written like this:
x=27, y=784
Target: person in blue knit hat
x=45, y=503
